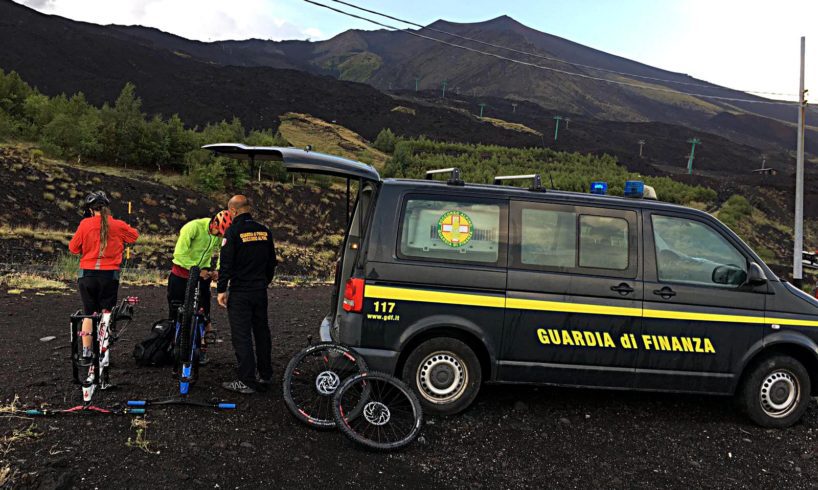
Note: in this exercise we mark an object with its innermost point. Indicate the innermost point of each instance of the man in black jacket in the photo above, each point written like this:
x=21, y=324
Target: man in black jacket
x=248, y=261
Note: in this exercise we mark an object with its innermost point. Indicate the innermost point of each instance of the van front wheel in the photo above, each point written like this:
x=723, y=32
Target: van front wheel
x=776, y=392
x=445, y=372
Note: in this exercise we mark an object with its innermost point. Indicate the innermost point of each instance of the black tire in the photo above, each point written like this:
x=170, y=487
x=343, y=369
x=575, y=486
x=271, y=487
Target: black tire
x=188, y=307
x=308, y=397
x=776, y=391
x=377, y=411
x=456, y=368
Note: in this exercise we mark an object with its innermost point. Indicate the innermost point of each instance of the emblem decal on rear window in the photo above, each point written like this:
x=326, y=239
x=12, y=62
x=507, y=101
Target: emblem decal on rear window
x=455, y=228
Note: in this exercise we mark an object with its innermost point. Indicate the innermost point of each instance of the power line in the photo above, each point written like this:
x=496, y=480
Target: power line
x=536, y=55
x=547, y=68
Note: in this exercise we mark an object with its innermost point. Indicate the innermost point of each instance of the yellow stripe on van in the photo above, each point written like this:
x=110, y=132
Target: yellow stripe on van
x=704, y=317
x=426, y=296
x=491, y=301
x=535, y=304
x=793, y=322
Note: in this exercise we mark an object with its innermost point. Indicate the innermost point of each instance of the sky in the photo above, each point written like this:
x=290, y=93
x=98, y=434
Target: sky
x=747, y=45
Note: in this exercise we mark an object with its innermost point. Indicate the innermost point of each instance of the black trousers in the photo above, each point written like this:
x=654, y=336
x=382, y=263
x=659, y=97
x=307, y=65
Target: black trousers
x=176, y=294
x=247, y=312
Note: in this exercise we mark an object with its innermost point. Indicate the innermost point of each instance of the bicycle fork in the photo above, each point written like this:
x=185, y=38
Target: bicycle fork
x=188, y=374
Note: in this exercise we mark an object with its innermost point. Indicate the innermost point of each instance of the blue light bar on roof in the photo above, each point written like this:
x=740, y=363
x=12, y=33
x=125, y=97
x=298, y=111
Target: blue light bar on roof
x=599, y=188
x=634, y=188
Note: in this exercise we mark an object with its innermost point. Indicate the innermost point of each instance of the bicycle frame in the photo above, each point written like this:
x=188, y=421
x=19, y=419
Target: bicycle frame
x=103, y=335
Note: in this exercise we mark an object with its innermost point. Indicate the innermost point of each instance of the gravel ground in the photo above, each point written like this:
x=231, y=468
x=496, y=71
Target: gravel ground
x=513, y=437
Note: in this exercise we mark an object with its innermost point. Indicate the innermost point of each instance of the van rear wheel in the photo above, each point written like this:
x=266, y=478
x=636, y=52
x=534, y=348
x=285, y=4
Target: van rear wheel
x=445, y=373
x=776, y=392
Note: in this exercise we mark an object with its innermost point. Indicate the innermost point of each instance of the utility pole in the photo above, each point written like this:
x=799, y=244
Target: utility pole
x=798, y=242
x=444, y=89
x=694, y=142
x=513, y=107
x=641, y=145
x=482, y=105
x=557, y=127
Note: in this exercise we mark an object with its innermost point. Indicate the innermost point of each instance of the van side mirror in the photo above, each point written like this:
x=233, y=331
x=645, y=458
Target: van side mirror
x=756, y=276
x=729, y=274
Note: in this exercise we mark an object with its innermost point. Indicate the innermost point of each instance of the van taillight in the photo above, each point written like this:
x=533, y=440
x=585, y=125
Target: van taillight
x=354, y=295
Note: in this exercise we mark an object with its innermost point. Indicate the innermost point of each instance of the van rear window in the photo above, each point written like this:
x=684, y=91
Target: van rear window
x=451, y=230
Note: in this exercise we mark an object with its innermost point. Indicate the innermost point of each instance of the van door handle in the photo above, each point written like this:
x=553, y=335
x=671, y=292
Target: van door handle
x=665, y=292
x=624, y=289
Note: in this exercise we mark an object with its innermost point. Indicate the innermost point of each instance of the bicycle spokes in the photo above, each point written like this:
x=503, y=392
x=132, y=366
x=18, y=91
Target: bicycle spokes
x=312, y=378
x=378, y=411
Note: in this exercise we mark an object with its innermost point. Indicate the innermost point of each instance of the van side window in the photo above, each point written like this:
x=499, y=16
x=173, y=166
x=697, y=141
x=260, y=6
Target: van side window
x=548, y=238
x=603, y=242
x=688, y=251
x=451, y=230
x=573, y=239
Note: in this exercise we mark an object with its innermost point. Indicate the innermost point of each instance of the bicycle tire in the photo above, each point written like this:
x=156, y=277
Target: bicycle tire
x=187, y=315
x=311, y=378
x=391, y=416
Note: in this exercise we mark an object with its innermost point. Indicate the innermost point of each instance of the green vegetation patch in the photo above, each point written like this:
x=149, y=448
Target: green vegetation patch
x=359, y=67
x=520, y=128
x=404, y=110
x=25, y=281
x=569, y=171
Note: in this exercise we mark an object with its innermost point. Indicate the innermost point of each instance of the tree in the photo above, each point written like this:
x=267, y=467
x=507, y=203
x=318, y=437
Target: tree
x=13, y=93
x=128, y=125
x=153, y=143
x=180, y=141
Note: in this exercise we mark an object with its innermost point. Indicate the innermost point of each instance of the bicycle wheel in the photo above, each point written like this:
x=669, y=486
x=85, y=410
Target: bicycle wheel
x=312, y=377
x=377, y=411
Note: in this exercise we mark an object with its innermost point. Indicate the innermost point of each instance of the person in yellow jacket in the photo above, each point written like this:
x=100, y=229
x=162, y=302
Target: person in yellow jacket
x=198, y=241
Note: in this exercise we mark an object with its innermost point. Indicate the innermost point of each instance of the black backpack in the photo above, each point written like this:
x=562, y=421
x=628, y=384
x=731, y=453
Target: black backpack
x=157, y=349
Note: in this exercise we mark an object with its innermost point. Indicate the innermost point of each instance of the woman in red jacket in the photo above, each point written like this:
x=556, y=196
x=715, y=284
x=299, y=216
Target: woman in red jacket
x=99, y=241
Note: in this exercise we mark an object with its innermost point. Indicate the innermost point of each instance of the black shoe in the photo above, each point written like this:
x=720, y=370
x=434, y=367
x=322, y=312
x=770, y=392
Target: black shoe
x=264, y=384
x=238, y=387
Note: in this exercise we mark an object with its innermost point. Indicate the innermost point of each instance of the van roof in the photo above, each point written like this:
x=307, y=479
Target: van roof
x=494, y=190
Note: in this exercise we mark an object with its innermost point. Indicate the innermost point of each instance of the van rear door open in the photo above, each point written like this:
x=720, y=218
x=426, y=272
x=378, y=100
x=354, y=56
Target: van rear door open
x=307, y=161
x=298, y=160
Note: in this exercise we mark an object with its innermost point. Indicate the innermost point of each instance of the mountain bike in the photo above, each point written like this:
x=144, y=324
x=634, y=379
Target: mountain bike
x=191, y=323
x=104, y=333
x=312, y=377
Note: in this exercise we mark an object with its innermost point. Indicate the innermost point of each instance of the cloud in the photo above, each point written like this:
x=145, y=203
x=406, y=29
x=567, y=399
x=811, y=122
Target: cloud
x=39, y=4
x=204, y=20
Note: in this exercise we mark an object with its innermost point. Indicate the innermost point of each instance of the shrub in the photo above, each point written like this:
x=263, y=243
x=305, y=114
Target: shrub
x=65, y=205
x=48, y=196
x=735, y=211
x=385, y=141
